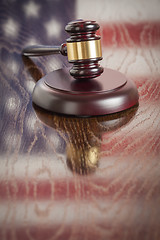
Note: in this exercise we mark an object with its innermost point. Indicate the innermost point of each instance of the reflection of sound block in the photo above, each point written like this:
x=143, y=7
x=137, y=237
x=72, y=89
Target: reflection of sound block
x=109, y=93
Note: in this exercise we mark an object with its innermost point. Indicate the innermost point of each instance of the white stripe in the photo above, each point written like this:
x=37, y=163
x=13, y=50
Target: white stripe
x=115, y=10
x=34, y=167
x=52, y=169
x=139, y=62
x=53, y=213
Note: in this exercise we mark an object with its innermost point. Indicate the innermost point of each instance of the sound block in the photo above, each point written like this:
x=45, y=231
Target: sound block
x=59, y=92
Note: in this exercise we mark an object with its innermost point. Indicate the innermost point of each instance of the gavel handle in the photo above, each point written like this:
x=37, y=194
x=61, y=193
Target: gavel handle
x=41, y=50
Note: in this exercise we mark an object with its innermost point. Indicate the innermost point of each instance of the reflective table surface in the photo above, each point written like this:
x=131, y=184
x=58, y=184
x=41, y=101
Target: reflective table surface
x=79, y=178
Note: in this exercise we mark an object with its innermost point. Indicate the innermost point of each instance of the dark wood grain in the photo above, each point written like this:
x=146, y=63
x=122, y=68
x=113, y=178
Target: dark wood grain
x=80, y=178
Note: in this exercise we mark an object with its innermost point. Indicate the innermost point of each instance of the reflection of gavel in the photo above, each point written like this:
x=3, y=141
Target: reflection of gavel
x=83, y=49
x=84, y=136
x=83, y=95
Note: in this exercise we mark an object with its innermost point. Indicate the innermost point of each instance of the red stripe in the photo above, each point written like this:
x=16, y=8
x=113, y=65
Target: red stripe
x=128, y=34
x=72, y=231
x=93, y=230
x=68, y=189
x=148, y=88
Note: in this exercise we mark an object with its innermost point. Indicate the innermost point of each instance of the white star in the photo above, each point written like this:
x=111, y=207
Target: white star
x=12, y=104
x=12, y=65
x=31, y=9
x=53, y=28
x=31, y=122
x=32, y=41
x=11, y=28
x=30, y=85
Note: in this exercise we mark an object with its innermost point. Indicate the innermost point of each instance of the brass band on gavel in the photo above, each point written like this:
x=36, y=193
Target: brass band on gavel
x=84, y=50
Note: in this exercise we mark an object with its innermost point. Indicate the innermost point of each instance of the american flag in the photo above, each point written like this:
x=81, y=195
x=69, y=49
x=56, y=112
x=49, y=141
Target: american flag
x=37, y=207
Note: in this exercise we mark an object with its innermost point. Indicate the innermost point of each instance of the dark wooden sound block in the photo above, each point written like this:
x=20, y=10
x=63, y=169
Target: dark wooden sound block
x=59, y=92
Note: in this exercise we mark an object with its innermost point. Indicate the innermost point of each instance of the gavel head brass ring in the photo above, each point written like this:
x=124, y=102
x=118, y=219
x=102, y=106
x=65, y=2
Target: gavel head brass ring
x=82, y=90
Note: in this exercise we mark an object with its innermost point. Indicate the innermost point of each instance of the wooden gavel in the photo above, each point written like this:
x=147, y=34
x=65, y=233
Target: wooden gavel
x=83, y=49
x=82, y=90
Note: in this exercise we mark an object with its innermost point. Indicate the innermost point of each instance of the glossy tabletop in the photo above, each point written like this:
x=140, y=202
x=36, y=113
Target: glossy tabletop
x=79, y=178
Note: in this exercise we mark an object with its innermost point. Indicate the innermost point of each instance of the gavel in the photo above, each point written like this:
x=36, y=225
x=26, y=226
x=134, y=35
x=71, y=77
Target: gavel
x=83, y=49
x=82, y=90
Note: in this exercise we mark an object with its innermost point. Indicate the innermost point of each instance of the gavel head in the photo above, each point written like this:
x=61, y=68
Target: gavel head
x=84, y=49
